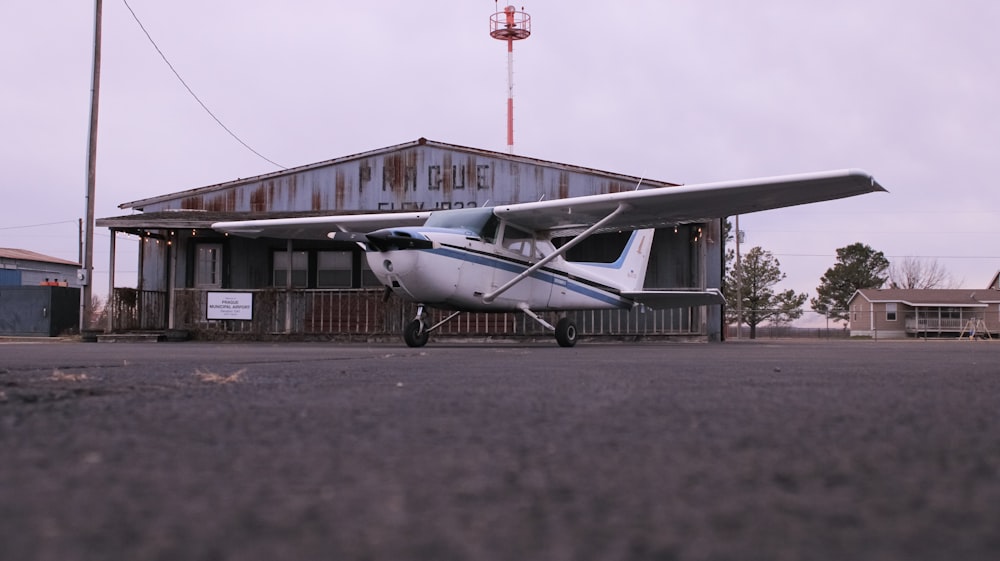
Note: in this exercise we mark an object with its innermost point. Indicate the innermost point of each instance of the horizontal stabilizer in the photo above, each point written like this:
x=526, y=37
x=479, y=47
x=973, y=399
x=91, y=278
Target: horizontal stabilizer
x=662, y=299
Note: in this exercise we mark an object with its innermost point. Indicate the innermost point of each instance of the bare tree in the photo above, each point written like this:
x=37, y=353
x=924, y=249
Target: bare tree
x=99, y=312
x=914, y=272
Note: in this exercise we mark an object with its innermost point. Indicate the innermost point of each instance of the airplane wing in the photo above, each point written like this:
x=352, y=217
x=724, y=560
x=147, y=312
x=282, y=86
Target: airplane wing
x=317, y=227
x=649, y=208
x=669, y=206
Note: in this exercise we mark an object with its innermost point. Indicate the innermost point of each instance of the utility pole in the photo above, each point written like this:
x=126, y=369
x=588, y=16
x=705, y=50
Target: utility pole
x=88, y=239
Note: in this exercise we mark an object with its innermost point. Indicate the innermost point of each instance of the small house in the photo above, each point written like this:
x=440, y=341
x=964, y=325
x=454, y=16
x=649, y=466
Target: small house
x=897, y=313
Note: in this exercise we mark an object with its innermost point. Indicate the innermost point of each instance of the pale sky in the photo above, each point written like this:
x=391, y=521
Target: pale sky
x=683, y=91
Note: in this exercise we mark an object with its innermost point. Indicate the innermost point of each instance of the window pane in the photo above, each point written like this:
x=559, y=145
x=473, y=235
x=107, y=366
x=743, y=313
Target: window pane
x=333, y=269
x=890, y=311
x=300, y=268
x=208, y=266
x=518, y=241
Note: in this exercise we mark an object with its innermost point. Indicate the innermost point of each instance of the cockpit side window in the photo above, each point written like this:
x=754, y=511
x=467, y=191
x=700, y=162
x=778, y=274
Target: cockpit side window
x=489, y=231
x=518, y=241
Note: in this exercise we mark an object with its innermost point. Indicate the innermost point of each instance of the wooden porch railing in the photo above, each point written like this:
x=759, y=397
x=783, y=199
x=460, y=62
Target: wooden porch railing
x=369, y=312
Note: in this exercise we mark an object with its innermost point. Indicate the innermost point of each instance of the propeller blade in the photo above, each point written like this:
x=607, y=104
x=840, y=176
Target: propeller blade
x=348, y=237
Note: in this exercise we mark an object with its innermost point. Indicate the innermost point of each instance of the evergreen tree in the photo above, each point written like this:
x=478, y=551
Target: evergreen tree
x=759, y=272
x=858, y=266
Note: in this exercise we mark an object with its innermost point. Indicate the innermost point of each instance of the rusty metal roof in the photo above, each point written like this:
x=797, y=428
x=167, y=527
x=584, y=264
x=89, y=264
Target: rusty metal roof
x=28, y=255
x=139, y=204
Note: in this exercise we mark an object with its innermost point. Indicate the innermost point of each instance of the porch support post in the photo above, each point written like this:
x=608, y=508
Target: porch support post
x=138, y=285
x=109, y=307
x=171, y=279
x=288, y=288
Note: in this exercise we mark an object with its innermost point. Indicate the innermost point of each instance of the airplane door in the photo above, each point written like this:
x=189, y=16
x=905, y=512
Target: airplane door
x=520, y=250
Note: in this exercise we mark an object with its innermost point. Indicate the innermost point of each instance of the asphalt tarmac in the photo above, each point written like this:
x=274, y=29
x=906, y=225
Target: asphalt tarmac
x=764, y=450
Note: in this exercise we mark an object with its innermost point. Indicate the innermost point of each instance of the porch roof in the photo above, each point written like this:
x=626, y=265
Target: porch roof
x=190, y=219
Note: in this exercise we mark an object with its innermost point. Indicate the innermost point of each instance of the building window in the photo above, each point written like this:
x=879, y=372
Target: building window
x=333, y=269
x=208, y=266
x=890, y=311
x=299, y=265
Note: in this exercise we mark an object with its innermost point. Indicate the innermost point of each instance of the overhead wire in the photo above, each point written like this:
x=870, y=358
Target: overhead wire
x=194, y=95
x=38, y=225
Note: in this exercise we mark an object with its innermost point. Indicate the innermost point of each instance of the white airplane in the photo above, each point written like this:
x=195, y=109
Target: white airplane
x=503, y=258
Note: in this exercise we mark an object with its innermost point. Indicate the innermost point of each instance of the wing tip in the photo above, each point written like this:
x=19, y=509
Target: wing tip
x=875, y=186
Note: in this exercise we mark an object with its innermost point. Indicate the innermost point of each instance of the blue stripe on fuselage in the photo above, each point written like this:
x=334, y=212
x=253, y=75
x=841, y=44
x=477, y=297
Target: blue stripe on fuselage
x=462, y=254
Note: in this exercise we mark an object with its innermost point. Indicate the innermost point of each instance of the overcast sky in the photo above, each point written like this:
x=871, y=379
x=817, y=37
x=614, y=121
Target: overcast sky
x=683, y=91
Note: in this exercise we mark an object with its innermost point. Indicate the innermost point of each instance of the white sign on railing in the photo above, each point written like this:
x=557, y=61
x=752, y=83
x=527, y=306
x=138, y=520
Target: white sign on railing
x=230, y=305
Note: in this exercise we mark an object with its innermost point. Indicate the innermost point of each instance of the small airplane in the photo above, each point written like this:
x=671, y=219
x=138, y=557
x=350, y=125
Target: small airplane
x=509, y=257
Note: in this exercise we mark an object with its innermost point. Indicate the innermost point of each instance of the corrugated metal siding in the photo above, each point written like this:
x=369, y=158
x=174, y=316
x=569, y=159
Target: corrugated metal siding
x=416, y=178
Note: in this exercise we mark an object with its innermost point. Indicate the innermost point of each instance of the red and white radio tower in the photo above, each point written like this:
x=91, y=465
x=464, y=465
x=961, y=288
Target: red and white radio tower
x=510, y=25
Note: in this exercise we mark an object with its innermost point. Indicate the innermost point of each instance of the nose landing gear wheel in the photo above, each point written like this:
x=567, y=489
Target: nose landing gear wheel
x=415, y=334
x=566, y=333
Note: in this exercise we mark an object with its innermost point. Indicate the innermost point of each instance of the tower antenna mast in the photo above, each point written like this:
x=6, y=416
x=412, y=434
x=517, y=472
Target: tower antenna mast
x=510, y=25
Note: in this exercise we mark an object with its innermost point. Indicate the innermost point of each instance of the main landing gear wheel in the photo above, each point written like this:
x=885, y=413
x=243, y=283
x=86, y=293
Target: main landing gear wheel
x=415, y=333
x=566, y=334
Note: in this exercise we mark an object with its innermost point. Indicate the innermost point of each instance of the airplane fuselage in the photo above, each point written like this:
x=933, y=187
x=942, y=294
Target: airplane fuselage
x=459, y=270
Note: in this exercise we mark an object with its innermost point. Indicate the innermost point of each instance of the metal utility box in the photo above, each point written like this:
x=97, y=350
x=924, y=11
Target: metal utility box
x=39, y=311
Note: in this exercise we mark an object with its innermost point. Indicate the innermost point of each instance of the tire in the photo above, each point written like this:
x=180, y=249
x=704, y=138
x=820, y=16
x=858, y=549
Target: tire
x=415, y=334
x=566, y=333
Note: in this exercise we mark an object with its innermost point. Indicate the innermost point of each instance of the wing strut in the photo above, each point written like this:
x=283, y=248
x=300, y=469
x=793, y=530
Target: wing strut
x=561, y=251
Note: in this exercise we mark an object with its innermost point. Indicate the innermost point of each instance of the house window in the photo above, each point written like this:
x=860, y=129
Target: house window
x=333, y=269
x=890, y=311
x=208, y=266
x=299, y=265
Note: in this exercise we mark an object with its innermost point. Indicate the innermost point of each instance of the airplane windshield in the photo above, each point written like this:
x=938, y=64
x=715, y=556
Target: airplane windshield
x=479, y=221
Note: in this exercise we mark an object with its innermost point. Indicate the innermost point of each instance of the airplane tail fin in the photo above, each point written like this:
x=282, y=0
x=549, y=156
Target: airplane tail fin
x=628, y=272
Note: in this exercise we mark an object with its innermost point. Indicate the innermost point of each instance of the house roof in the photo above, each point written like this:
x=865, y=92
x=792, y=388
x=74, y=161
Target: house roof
x=28, y=255
x=931, y=297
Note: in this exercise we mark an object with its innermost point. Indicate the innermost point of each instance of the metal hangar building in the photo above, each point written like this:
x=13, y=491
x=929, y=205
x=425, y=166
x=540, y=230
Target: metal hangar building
x=183, y=263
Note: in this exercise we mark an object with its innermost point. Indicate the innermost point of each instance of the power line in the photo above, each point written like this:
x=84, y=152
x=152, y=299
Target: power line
x=190, y=91
x=38, y=225
x=893, y=256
